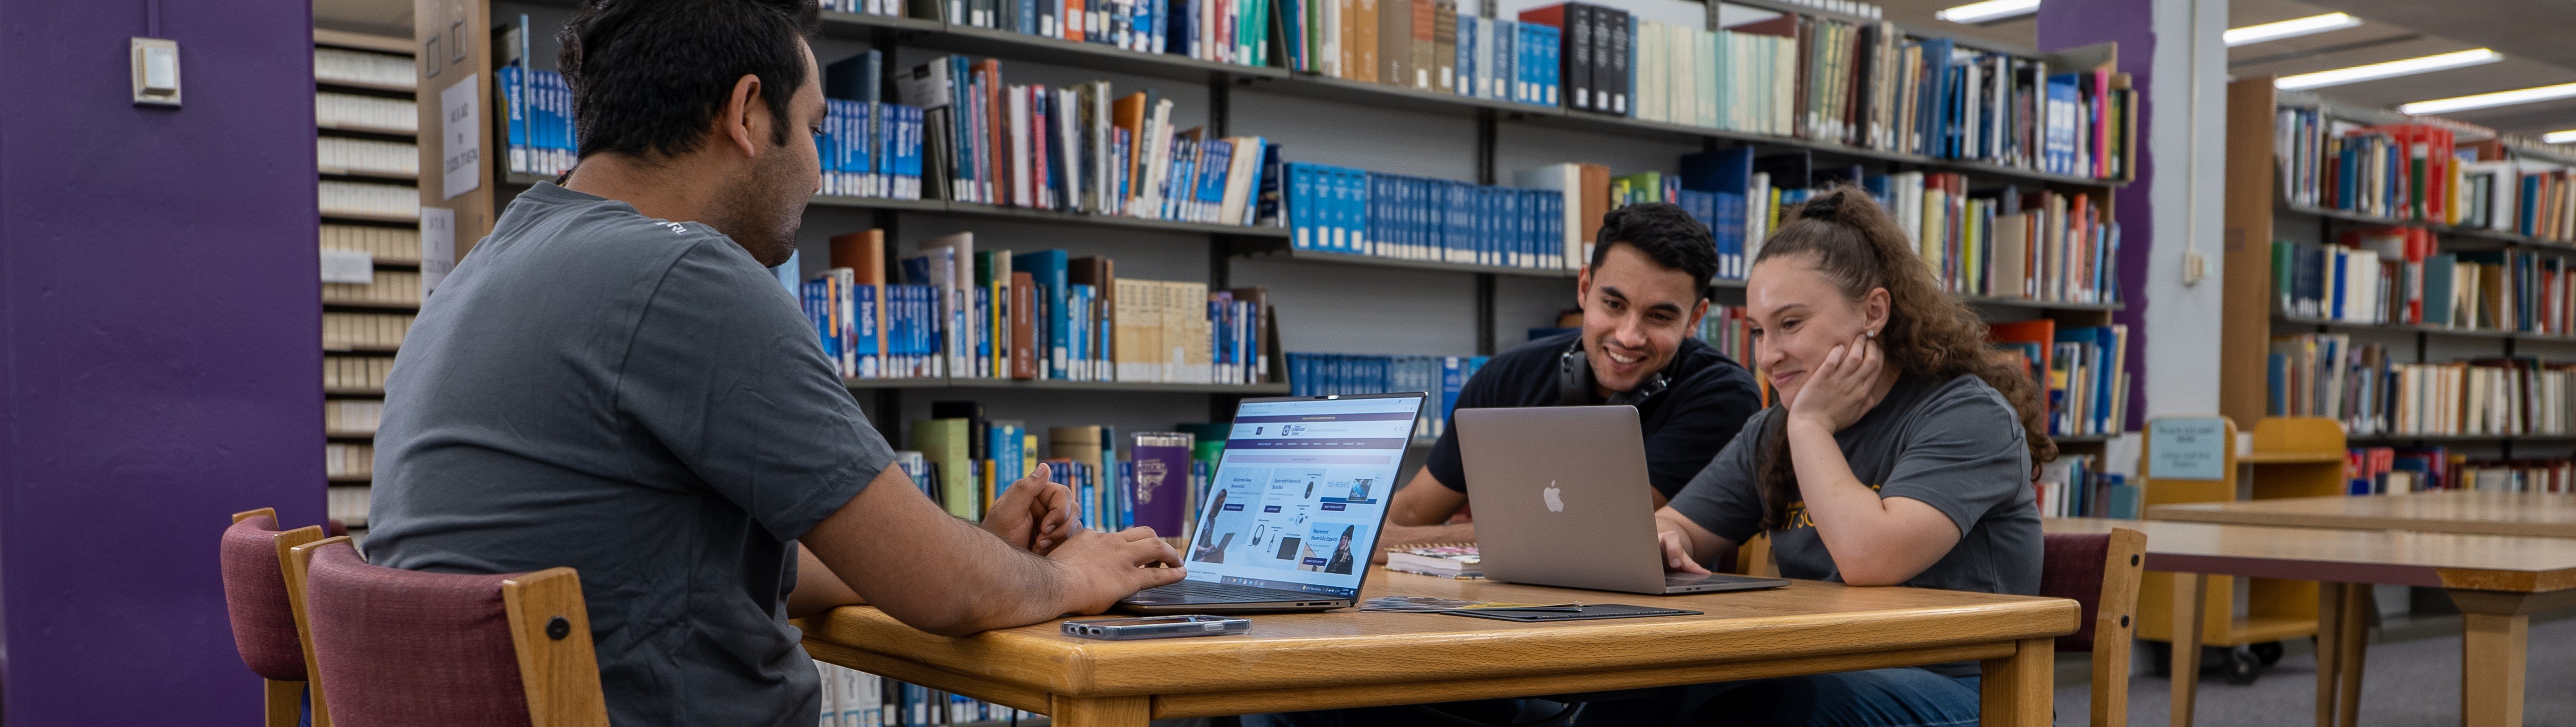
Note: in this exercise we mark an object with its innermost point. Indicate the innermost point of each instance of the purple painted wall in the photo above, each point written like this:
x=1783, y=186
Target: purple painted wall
x=2131, y=23
x=159, y=348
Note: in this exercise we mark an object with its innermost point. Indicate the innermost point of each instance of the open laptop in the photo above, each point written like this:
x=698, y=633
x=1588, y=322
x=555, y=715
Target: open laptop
x=1292, y=515
x=1562, y=499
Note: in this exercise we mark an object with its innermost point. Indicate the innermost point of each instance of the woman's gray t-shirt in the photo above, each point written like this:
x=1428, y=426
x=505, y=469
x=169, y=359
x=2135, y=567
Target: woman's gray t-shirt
x=1955, y=445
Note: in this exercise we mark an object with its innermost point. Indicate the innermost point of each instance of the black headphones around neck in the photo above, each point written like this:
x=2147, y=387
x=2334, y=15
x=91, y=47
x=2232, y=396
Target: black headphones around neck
x=1574, y=381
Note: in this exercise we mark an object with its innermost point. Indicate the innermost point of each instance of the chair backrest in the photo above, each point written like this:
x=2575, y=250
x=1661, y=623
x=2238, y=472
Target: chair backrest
x=255, y=595
x=398, y=647
x=2100, y=572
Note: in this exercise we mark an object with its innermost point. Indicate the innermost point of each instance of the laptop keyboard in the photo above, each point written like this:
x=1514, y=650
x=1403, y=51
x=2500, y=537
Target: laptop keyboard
x=1203, y=590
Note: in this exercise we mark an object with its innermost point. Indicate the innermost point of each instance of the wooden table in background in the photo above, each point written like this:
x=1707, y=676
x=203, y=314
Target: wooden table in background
x=1292, y=662
x=2471, y=512
x=2498, y=581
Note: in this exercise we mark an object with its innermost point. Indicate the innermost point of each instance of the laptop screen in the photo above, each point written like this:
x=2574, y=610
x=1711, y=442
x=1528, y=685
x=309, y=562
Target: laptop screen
x=1300, y=491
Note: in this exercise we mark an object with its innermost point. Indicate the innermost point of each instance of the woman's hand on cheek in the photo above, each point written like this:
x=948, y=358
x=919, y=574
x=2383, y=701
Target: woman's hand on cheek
x=1842, y=388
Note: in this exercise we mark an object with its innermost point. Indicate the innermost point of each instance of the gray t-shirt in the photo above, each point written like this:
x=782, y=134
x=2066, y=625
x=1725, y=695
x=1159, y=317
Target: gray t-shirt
x=642, y=401
x=1955, y=445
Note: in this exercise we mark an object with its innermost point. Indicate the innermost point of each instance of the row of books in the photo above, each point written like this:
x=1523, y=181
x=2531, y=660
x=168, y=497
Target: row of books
x=348, y=504
x=2399, y=470
x=2398, y=171
x=2420, y=172
x=382, y=244
x=1358, y=212
x=853, y=698
x=1864, y=84
x=352, y=415
x=2328, y=375
x=343, y=331
x=1318, y=374
x=369, y=199
x=371, y=112
x=2075, y=486
x=538, y=106
x=342, y=459
x=1729, y=329
x=355, y=66
x=2398, y=276
x=2087, y=387
x=355, y=373
x=1080, y=149
x=956, y=312
x=339, y=154
x=964, y=460
x=391, y=288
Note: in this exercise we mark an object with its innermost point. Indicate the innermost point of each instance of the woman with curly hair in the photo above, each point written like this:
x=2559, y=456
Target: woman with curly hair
x=1899, y=451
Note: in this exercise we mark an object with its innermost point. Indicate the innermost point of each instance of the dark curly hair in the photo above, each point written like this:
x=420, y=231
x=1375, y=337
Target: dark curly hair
x=1853, y=243
x=648, y=76
x=1666, y=234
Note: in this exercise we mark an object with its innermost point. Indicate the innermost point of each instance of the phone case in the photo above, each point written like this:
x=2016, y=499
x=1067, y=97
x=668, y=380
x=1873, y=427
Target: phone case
x=1198, y=625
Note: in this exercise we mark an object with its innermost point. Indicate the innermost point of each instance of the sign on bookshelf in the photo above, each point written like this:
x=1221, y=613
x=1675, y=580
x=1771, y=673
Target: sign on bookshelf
x=2187, y=448
x=458, y=108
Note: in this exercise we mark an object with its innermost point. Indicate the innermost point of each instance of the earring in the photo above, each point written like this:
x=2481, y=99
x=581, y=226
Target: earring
x=1873, y=333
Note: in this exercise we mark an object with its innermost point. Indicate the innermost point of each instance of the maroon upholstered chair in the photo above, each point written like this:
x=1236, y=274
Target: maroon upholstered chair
x=266, y=626
x=398, y=647
x=2099, y=571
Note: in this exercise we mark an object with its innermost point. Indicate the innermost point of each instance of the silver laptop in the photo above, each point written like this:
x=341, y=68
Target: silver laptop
x=1562, y=499
x=1291, y=517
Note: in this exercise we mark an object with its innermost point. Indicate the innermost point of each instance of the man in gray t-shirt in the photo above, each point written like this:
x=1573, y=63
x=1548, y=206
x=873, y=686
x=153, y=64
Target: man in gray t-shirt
x=613, y=381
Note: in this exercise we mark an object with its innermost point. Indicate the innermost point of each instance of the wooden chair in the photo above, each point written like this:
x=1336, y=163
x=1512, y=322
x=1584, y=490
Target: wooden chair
x=267, y=619
x=2101, y=572
x=397, y=648
x=1753, y=558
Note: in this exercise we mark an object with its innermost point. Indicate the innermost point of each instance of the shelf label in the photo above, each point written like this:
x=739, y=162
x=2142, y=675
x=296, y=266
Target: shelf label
x=460, y=136
x=437, y=246
x=348, y=266
x=2187, y=448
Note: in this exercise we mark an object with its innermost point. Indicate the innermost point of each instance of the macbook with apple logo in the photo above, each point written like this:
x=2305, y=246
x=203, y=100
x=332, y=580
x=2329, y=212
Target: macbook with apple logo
x=1562, y=499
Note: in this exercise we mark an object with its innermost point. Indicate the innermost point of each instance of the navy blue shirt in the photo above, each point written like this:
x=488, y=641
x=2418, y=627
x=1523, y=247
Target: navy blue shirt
x=1707, y=398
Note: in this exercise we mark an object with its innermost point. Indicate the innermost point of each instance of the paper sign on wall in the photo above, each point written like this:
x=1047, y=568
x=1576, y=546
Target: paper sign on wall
x=460, y=135
x=437, y=246
x=2187, y=449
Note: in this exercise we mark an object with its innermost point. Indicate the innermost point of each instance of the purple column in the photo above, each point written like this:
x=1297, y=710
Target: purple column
x=160, y=337
x=2067, y=24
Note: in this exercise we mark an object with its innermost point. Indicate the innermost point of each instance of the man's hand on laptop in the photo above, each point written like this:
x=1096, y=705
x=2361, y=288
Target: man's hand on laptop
x=1035, y=514
x=1101, y=567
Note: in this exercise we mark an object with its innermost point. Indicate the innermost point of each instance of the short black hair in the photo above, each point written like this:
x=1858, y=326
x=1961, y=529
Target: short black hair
x=648, y=76
x=1666, y=234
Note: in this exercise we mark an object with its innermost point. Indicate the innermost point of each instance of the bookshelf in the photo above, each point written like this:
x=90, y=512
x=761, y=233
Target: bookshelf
x=1234, y=252
x=368, y=117
x=2261, y=207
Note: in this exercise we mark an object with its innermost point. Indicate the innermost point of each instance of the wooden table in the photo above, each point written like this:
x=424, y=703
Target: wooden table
x=2498, y=581
x=2471, y=512
x=1292, y=662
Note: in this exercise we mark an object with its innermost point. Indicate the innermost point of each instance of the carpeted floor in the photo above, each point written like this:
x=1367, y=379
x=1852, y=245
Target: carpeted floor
x=2409, y=683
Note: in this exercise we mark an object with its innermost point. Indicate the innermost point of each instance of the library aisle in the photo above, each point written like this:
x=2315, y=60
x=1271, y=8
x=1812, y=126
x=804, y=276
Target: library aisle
x=2243, y=250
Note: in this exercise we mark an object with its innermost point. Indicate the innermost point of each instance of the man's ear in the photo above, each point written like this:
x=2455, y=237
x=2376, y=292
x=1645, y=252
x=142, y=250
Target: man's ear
x=744, y=118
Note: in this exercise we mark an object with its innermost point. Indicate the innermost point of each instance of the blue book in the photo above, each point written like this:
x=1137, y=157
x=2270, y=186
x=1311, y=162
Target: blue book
x=1048, y=268
x=1930, y=126
x=1467, y=58
x=514, y=99
x=1506, y=73
x=1551, y=57
x=1212, y=181
x=864, y=334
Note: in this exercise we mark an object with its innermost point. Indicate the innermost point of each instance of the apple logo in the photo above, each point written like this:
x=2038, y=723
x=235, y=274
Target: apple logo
x=1555, y=503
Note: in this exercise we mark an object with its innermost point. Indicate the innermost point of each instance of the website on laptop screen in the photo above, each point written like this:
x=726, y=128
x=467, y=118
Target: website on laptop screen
x=1299, y=493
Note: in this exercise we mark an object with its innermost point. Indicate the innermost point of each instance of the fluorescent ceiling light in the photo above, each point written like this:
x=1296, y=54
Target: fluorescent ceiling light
x=2559, y=137
x=2391, y=69
x=1988, y=11
x=2485, y=100
x=2291, y=28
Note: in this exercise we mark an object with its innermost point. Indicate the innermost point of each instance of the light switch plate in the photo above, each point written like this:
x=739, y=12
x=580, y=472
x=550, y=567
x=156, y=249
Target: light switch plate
x=156, y=72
